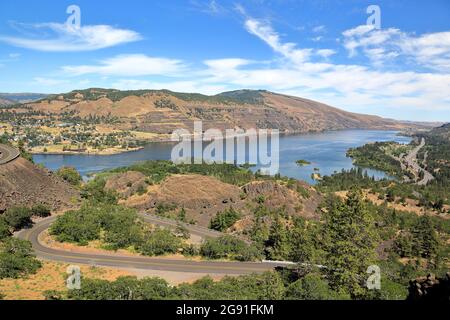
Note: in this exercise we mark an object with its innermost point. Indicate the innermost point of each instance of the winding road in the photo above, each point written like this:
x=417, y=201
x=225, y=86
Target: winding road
x=137, y=262
x=8, y=154
x=411, y=161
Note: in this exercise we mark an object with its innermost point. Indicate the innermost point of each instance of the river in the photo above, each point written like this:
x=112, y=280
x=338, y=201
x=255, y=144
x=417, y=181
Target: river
x=326, y=151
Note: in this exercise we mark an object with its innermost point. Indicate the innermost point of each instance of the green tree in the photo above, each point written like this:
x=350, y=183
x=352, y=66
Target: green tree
x=310, y=287
x=70, y=175
x=224, y=220
x=425, y=242
x=16, y=258
x=4, y=229
x=351, y=240
x=303, y=248
x=278, y=245
x=18, y=217
x=40, y=210
x=159, y=242
x=228, y=247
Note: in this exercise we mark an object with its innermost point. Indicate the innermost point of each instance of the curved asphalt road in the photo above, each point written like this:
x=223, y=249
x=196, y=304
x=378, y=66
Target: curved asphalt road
x=8, y=154
x=137, y=262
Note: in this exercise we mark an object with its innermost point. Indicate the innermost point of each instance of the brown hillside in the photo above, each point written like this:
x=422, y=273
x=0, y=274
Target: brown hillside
x=24, y=184
x=163, y=111
x=203, y=197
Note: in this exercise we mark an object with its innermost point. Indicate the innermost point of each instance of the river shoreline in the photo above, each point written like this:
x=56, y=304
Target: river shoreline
x=166, y=140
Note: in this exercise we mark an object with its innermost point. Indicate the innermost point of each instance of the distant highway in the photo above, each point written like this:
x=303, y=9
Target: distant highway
x=411, y=161
x=8, y=154
x=140, y=262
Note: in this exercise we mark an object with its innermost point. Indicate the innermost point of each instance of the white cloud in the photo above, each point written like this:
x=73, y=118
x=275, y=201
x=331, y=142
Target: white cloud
x=351, y=87
x=429, y=50
x=326, y=52
x=226, y=64
x=129, y=65
x=65, y=38
x=288, y=50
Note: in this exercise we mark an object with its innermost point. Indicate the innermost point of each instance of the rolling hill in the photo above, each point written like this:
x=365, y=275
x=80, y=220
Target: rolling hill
x=162, y=111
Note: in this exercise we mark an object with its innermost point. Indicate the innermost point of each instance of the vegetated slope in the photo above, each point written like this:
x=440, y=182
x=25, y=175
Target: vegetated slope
x=442, y=132
x=24, y=184
x=162, y=111
x=202, y=197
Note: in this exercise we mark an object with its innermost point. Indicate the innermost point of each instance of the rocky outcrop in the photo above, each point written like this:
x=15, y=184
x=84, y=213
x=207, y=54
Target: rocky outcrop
x=430, y=288
x=25, y=184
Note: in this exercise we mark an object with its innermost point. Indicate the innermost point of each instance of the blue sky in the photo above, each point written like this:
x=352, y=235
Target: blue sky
x=322, y=50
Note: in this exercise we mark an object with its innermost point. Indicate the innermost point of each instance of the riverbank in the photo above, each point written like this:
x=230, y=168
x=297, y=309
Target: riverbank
x=105, y=152
x=326, y=151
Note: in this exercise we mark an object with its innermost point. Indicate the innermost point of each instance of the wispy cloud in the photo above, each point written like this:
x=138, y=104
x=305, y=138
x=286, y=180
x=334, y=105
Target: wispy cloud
x=319, y=29
x=430, y=50
x=57, y=37
x=289, y=50
x=349, y=86
x=129, y=65
x=326, y=52
x=212, y=7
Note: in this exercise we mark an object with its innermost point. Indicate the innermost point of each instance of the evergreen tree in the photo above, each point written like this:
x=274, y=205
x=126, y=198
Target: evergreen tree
x=425, y=241
x=350, y=240
x=278, y=246
x=303, y=249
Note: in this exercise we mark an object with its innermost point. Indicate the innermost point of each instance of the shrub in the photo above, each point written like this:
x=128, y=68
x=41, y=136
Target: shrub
x=228, y=247
x=310, y=287
x=18, y=217
x=16, y=258
x=4, y=229
x=70, y=175
x=224, y=220
x=40, y=210
x=160, y=242
x=76, y=226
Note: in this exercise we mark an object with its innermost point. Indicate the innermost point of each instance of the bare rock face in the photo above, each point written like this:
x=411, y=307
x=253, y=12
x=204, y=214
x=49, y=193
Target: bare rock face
x=126, y=184
x=430, y=288
x=25, y=184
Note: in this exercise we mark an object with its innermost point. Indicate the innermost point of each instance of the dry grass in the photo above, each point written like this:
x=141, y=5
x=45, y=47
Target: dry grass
x=52, y=276
x=410, y=205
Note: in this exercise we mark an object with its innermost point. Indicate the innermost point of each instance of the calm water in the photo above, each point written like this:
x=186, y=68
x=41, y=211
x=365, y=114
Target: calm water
x=325, y=151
